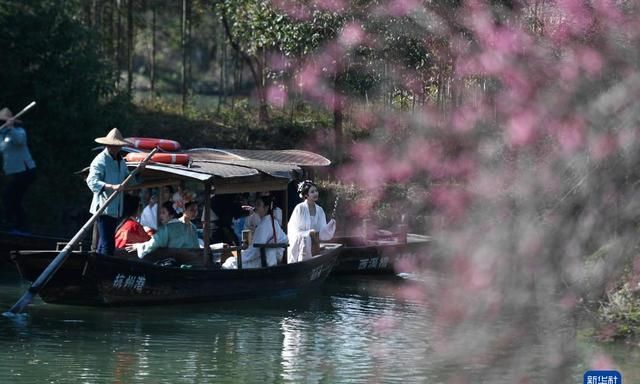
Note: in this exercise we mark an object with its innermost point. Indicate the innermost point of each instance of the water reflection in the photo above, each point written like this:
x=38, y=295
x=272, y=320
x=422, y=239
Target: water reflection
x=337, y=335
x=355, y=330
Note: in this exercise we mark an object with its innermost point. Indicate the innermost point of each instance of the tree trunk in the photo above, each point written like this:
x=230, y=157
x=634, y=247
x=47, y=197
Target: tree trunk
x=256, y=67
x=263, y=112
x=86, y=10
x=154, y=12
x=186, y=37
x=223, y=74
x=118, y=50
x=129, y=47
x=108, y=31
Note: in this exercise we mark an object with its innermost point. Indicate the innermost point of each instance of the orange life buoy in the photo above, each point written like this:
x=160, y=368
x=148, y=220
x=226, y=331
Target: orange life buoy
x=150, y=143
x=166, y=158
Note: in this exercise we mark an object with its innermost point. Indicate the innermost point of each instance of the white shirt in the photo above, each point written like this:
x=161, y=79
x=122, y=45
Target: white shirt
x=149, y=217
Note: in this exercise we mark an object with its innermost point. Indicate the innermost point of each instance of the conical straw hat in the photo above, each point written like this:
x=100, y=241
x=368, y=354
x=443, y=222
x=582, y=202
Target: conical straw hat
x=5, y=114
x=114, y=137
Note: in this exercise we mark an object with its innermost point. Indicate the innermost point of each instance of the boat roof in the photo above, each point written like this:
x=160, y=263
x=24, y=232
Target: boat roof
x=230, y=171
x=286, y=156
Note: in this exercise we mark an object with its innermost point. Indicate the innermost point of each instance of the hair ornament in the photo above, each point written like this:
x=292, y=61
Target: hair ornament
x=301, y=186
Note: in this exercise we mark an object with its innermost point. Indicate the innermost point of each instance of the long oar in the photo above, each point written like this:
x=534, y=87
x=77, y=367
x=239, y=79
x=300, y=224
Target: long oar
x=25, y=109
x=51, y=269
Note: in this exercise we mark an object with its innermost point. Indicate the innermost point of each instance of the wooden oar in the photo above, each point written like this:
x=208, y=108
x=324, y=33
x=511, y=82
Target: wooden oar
x=51, y=269
x=25, y=109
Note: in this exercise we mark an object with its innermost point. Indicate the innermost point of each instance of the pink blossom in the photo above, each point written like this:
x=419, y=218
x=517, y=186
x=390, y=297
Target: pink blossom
x=590, y=60
x=466, y=117
x=329, y=5
x=608, y=10
x=364, y=119
x=602, y=146
x=602, y=361
x=413, y=293
x=352, y=35
x=451, y=200
x=521, y=129
x=576, y=14
x=276, y=96
x=384, y=324
x=400, y=8
x=308, y=77
x=571, y=134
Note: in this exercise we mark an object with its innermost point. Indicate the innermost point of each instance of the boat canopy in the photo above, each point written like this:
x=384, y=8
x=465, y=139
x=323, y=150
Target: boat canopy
x=231, y=171
x=286, y=156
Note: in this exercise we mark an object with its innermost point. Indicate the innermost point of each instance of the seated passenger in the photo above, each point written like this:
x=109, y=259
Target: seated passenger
x=177, y=233
x=252, y=221
x=226, y=207
x=130, y=231
x=307, y=216
x=167, y=213
x=267, y=231
x=149, y=217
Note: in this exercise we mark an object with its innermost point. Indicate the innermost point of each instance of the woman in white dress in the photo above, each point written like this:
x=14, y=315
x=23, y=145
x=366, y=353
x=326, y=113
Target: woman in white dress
x=267, y=231
x=306, y=217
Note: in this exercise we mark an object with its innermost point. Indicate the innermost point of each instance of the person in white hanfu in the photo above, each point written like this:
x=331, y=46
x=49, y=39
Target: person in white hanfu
x=267, y=231
x=306, y=217
x=252, y=221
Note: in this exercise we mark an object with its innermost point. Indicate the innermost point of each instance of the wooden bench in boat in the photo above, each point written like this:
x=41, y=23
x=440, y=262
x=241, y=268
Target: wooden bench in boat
x=263, y=252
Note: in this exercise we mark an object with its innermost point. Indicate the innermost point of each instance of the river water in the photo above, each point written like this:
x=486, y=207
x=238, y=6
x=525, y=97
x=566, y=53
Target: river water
x=355, y=330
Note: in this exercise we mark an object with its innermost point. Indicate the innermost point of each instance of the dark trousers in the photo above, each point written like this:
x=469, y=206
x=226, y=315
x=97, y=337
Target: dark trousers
x=106, y=234
x=14, y=194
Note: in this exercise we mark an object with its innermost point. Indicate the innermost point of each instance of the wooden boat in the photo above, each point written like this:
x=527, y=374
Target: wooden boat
x=97, y=280
x=14, y=241
x=387, y=255
x=123, y=279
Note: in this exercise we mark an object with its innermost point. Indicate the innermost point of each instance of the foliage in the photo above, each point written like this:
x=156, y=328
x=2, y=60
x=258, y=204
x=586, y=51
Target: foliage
x=621, y=313
x=233, y=127
x=259, y=26
x=49, y=57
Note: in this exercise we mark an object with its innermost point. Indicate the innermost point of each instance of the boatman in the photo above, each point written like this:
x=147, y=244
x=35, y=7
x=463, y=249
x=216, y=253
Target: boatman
x=106, y=174
x=18, y=166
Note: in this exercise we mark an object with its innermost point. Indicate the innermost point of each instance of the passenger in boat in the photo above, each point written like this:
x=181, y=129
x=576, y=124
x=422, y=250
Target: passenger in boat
x=149, y=217
x=177, y=233
x=238, y=221
x=266, y=231
x=150, y=213
x=167, y=213
x=106, y=174
x=253, y=220
x=181, y=198
x=306, y=217
x=130, y=231
x=18, y=166
x=227, y=207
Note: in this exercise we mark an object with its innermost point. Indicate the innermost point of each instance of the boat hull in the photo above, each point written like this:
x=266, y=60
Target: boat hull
x=95, y=280
x=386, y=257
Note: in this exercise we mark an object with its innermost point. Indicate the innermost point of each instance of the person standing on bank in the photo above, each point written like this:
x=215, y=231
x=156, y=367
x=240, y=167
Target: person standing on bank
x=106, y=174
x=18, y=166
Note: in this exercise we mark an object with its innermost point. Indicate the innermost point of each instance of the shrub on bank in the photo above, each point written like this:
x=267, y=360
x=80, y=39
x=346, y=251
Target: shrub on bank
x=620, y=313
